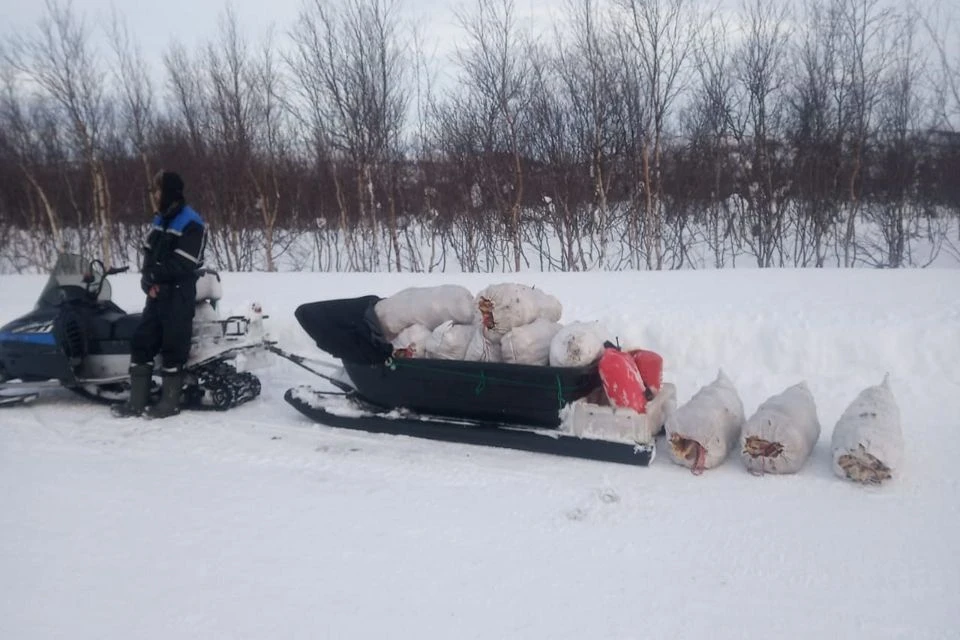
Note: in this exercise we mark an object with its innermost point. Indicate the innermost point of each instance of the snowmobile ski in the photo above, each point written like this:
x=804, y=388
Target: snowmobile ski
x=18, y=399
x=322, y=407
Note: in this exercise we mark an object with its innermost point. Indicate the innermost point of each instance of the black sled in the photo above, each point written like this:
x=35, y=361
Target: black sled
x=356, y=414
x=77, y=338
x=479, y=403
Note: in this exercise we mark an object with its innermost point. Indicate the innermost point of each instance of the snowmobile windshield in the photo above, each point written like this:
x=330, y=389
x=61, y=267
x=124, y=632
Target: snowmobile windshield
x=73, y=278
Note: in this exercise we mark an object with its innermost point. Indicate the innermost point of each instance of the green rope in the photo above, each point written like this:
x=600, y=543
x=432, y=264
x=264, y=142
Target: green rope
x=559, y=392
x=483, y=383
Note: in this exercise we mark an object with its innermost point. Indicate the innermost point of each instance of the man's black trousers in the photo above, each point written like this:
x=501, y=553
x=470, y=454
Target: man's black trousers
x=166, y=327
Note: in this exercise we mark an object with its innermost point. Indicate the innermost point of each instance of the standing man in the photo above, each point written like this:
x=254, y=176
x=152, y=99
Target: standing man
x=173, y=252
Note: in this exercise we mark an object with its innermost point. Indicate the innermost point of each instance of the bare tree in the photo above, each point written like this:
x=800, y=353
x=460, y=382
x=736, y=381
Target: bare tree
x=135, y=96
x=710, y=132
x=232, y=100
x=559, y=154
x=944, y=31
x=902, y=116
x=817, y=128
x=464, y=133
x=553, y=150
x=631, y=215
x=390, y=100
x=496, y=71
x=349, y=65
x=187, y=100
x=760, y=72
x=663, y=33
x=61, y=60
x=591, y=95
x=423, y=145
x=865, y=52
x=22, y=125
x=269, y=140
x=308, y=61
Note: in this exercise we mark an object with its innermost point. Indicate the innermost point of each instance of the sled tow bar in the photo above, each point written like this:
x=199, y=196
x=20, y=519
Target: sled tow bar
x=301, y=362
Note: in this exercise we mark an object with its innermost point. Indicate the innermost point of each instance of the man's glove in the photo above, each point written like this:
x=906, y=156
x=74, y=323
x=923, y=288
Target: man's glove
x=146, y=280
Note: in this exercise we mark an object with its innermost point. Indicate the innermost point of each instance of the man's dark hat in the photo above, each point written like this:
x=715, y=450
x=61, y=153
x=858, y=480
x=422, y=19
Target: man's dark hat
x=171, y=188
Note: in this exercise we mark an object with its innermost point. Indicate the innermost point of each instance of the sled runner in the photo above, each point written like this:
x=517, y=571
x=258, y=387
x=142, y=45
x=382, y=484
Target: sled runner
x=472, y=402
x=350, y=412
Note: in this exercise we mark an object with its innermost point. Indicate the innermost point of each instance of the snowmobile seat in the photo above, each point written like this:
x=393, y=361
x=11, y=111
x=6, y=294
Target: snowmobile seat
x=125, y=325
x=99, y=327
x=208, y=287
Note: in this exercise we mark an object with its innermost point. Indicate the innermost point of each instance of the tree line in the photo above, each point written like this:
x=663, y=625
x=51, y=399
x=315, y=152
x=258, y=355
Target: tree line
x=645, y=134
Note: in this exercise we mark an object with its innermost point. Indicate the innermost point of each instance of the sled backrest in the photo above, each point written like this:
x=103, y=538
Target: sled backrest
x=208, y=287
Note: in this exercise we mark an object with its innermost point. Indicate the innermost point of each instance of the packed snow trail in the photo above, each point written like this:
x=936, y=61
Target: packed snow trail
x=257, y=523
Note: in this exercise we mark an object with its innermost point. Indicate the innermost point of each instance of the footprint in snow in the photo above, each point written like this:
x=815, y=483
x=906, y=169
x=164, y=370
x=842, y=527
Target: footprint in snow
x=604, y=496
x=324, y=448
x=577, y=514
x=608, y=496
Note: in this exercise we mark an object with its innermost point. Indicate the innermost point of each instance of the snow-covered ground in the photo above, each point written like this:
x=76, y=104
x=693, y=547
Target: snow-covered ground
x=260, y=524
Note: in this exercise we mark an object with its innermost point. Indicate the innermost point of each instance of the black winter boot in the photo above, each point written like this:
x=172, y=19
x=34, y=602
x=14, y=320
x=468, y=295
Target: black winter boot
x=169, y=404
x=140, y=376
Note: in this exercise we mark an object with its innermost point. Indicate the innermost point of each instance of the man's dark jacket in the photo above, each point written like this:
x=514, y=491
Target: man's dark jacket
x=173, y=252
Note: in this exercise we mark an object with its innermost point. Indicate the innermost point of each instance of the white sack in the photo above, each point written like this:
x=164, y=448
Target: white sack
x=576, y=345
x=449, y=341
x=780, y=436
x=481, y=349
x=530, y=343
x=867, y=441
x=511, y=305
x=413, y=339
x=707, y=426
x=428, y=306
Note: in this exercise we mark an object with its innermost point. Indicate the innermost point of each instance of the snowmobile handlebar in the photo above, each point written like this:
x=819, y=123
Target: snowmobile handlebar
x=97, y=267
x=97, y=273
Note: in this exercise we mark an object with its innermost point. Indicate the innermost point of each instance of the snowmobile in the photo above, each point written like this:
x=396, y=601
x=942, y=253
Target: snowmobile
x=541, y=409
x=77, y=338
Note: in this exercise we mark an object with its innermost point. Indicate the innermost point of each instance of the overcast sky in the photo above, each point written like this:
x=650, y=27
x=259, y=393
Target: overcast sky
x=155, y=23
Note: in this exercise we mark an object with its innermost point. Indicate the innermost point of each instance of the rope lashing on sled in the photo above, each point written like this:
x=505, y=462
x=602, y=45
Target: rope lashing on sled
x=482, y=384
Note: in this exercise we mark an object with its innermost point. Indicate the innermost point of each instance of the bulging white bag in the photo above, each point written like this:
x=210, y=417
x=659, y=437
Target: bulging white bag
x=867, y=441
x=412, y=341
x=530, y=343
x=702, y=432
x=427, y=306
x=576, y=345
x=481, y=349
x=449, y=341
x=503, y=307
x=781, y=435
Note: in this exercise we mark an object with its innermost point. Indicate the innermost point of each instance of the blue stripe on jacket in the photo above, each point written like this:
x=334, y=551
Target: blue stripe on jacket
x=181, y=220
